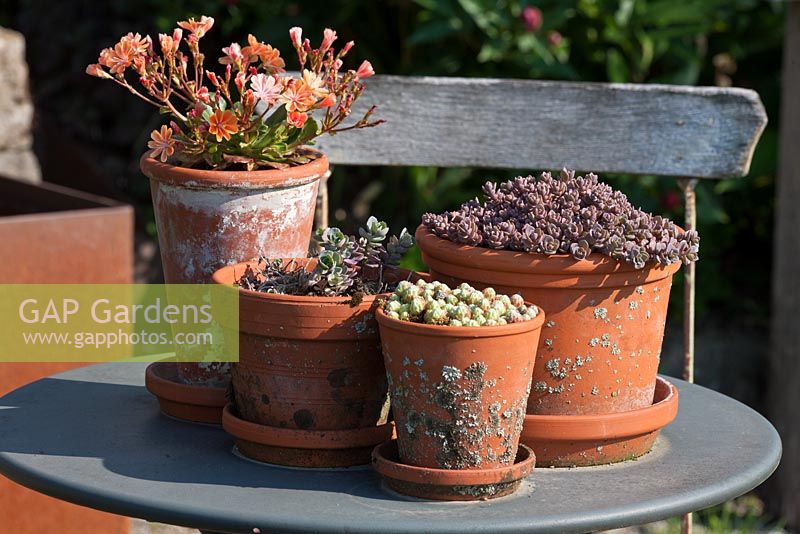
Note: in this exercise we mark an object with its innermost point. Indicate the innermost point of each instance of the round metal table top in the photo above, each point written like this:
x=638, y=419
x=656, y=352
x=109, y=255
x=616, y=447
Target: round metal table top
x=94, y=436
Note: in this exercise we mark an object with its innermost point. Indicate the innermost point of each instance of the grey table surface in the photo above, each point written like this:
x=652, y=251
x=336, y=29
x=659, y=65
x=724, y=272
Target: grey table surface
x=95, y=437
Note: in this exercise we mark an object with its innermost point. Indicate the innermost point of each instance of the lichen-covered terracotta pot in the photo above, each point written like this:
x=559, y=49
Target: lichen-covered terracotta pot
x=600, y=346
x=207, y=219
x=458, y=393
x=309, y=363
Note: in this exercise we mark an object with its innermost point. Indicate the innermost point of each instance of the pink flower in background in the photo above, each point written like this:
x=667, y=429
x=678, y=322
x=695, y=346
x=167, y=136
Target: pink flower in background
x=365, y=70
x=554, y=38
x=532, y=18
x=266, y=88
x=161, y=143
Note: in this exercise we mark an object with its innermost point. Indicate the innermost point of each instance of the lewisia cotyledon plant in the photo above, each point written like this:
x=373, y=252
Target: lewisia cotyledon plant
x=253, y=114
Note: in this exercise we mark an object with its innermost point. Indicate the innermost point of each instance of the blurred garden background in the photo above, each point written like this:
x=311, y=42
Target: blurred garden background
x=90, y=136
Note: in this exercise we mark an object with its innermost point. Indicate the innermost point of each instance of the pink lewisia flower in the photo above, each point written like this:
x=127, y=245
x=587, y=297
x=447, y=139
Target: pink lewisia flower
x=266, y=88
x=328, y=37
x=297, y=119
x=532, y=18
x=197, y=28
x=554, y=38
x=315, y=82
x=96, y=69
x=296, y=34
x=365, y=70
x=233, y=55
x=167, y=43
x=161, y=143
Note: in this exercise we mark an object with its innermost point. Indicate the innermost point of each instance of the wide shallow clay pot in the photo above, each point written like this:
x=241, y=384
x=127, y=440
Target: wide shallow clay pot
x=451, y=484
x=458, y=393
x=309, y=364
x=200, y=404
x=207, y=219
x=582, y=440
x=600, y=346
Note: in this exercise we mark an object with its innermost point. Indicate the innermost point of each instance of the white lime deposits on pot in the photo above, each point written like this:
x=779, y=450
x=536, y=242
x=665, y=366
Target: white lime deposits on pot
x=435, y=303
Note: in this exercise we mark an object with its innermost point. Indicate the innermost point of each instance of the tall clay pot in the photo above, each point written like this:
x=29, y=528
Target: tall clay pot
x=601, y=344
x=458, y=393
x=311, y=365
x=207, y=219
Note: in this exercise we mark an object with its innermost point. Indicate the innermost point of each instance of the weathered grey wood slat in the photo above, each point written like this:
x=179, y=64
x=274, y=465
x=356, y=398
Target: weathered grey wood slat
x=704, y=132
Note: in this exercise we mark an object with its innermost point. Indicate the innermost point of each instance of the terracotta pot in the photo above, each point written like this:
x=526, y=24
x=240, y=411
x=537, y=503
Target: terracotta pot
x=451, y=484
x=308, y=363
x=600, y=347
x=207, y=219
x=200, y=404
x=458, y=393
x=582, y=440
x=304, y=448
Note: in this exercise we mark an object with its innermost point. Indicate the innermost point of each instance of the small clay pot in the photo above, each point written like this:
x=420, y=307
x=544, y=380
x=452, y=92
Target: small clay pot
x=583, y=440
x=309, y=363
x=458, y=393
x=207, y=219
x=195, y=403
x=600, y=346
x=451, y=484
x=304, y=448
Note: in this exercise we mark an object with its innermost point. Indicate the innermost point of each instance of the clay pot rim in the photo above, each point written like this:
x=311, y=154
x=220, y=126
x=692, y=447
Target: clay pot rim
x=221, y=179
x=421, y=329
x=226, y=276
x=160, y=379
x=451, y=477
x=527, y=262
x=607, y=426
x=303, y=439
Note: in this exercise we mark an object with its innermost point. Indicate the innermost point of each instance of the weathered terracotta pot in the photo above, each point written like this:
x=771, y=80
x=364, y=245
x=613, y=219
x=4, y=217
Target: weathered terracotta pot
x=303, y=448
x=451, y=484
x=601, y=344
x=458, y=393
x=308, y=363
x=583, y=440
x=207, y=219
x=200, y=404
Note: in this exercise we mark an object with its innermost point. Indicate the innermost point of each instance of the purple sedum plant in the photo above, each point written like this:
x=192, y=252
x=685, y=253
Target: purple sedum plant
x=568, y=214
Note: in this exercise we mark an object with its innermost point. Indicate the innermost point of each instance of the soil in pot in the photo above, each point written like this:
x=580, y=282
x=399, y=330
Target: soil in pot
x=601, y=343
x=309, y=363
x=207, y=219
x=458, y=393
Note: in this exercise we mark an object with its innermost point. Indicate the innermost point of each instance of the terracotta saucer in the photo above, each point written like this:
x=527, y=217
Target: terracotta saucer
x=304, y=448
x=198, y=404
x=584, y=440
x=450, y=484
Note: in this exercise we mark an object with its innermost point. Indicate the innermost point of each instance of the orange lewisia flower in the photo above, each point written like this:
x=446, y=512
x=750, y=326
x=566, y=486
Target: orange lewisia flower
x=161, y=143
x=297, y=96
x=222, y=124
x=197, y=27
x=270, y=57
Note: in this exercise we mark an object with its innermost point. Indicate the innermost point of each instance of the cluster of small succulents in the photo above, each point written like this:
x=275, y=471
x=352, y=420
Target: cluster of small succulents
x=435, y=303
x=569, y=214
x=346, y=265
